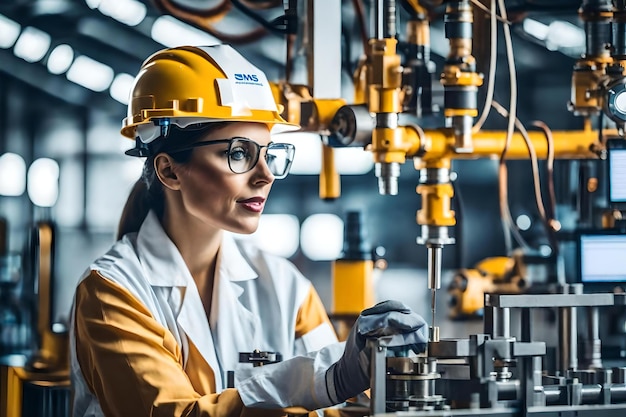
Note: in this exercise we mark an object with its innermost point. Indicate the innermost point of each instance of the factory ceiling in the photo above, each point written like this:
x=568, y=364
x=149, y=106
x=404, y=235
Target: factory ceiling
x=97, y=29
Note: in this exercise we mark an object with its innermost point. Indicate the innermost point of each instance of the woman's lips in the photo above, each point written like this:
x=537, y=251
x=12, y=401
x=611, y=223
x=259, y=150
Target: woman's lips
x=254, y=204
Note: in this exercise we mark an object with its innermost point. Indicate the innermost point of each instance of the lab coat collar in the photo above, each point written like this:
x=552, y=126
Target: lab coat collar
x=165, y=267
x=232, y=263
x=159, y=257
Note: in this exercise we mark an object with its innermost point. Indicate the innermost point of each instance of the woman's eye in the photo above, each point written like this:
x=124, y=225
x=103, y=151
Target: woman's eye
x=238, y=154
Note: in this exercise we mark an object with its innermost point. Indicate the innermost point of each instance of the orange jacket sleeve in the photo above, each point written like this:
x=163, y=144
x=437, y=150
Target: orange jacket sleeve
x=133, y=365
x=311, y=314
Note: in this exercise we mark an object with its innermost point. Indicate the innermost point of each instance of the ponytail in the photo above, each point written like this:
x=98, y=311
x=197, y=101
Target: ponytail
x=146, y=195
x=135, y=210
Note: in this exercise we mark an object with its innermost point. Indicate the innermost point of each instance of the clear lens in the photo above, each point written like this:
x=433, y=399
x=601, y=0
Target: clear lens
x=279, y=157
x=243, y=155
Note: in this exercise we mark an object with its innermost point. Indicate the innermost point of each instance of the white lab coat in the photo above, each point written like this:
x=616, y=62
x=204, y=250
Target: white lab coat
x=256, y=298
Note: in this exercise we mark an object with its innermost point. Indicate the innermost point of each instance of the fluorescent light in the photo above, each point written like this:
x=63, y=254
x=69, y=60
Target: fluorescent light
x=321, y=237
x=308, y=157
x=43, y=182
x=32, y=44
x=93, y=4
x=60, y=59
x=129, y=12
x=171, y=32
x=564, y=35
x=90, y=73
x=353, y=161
x=535, y=28
x=120, y=88
x=278, y=234
x=9, y=31
x=12, y=174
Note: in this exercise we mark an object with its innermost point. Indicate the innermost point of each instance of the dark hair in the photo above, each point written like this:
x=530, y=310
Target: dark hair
x=147, y=193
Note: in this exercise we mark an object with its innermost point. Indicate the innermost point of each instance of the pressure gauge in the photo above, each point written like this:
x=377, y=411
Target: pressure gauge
x=615, y=101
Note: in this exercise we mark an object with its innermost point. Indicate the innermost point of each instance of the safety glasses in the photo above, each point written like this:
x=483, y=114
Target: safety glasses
x=243, y=155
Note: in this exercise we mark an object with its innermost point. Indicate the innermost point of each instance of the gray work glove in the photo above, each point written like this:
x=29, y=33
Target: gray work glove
x=350, y=375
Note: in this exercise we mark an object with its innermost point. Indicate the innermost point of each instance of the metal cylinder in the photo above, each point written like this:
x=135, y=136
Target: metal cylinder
x=597, y=17
x=502, y=322
x=434, y=266
x=619, y=38
x=598, y=35
x=568, y=346
x=384, y=19
x=387, y=174
x=458, y=20
x=411, y=384
x=593, y=344
x=568, y=336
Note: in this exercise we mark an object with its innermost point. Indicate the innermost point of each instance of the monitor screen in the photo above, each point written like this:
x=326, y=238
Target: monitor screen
x=617, y=175
x=602, y=257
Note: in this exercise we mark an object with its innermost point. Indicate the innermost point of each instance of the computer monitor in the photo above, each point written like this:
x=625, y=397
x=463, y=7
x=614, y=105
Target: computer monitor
x=617, y=172
x=602, y=257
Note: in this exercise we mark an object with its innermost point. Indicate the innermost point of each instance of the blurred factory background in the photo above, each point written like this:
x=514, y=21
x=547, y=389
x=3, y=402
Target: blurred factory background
x=66, y=69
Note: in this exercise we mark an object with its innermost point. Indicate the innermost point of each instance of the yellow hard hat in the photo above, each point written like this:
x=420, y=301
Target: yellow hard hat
x=198, y=84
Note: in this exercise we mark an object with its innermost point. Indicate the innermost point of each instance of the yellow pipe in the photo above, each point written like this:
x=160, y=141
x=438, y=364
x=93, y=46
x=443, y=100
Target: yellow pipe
x=568, y=144
x=10, y=392
x=329, y=183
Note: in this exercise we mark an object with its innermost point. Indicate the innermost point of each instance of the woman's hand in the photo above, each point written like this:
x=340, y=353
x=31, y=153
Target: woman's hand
x=404, y=328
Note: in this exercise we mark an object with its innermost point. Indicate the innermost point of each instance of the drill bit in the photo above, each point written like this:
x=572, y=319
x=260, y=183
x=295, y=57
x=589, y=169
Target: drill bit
x=434, y=276
x=433, y=298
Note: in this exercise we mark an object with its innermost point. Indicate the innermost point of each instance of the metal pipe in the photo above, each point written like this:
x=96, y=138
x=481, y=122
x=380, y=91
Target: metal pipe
x=568, y=348
x=434, y=275
x=593, y=344
x=502, y=322
x=389, y=19
x=573, y=144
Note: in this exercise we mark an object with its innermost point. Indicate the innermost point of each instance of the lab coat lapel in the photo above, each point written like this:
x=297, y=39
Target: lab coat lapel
x=194, y=324
x=231, y=318
x=165, y=267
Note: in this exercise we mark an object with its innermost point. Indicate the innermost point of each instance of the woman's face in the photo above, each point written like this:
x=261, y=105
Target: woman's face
x=213, y=194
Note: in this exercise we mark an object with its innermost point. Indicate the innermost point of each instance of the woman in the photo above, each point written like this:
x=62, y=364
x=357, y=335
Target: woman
x=159, y=321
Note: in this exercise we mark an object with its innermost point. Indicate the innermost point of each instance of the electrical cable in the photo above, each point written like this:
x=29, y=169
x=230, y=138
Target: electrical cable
x=492, y=68
x=271, y=26
x=503, y=185
x=204, y=19
x=552, y=225
x=262, y=5
x=487, y=11
x=360, y=15
x=215, y=12
x=533, y=160
x=504, y=203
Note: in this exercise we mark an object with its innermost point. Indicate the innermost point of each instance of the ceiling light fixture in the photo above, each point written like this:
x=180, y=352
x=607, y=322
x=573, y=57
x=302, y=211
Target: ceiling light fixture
x=120, y=88
x=43, y=182
x=60, y=59
x=90, y=74
x=9, y=32
x=32, y=44
x=321, y=237
x=12, y=174
x=129, y=12
x=171, y=32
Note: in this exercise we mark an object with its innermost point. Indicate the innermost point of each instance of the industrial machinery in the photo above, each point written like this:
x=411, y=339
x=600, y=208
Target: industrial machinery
x=497, y=372
x=505, y=370
x=34, y=380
